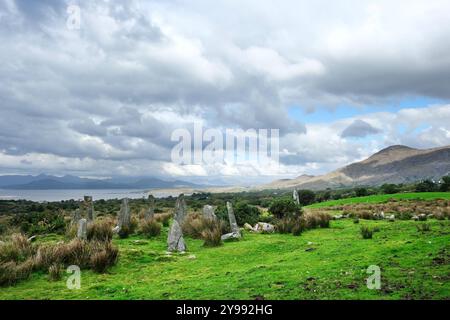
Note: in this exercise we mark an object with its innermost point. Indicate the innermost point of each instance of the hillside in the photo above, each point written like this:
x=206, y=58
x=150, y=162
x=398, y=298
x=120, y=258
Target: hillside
x=395, y=164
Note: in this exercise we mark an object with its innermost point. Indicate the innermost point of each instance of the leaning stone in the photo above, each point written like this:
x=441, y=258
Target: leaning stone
x=151, y=209
x=233, y=224
x=175, y=240
x=82, y=229
x=208, y=212
x=180, y=209
x=32, y=239
x=231, y=236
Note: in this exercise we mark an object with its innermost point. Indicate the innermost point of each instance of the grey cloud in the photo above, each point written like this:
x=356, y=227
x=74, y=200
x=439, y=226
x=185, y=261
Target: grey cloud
x=359, y=129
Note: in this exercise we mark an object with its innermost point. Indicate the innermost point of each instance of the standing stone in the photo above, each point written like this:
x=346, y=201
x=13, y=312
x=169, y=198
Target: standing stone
x=151, y=209
x=89, y=205
x=180, y=209
x=208, y=212
x=124, y=215
x=82, y=229
x=76, y=217
x=235, y=232
x=296, y=197
x=175, y=240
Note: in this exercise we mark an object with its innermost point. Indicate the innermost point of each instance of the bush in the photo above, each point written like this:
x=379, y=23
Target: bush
x=163, y=218
x=318, y=219
x=306, y=197
x=298, y=227
x=366, y=232
x=246, y=213
x=32, y=223
x=361, y=192
x=12, y=272
x=286, y=224
x=55, y=272
x=101, y=260
x=426, y=186
x=212, y=237
x=284, y=208
x=100, y=231
x=390, y=188
x=150, y=228
x=17, y=249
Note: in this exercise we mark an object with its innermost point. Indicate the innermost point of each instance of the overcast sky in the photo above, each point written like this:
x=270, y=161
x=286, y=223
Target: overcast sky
x=340, y=79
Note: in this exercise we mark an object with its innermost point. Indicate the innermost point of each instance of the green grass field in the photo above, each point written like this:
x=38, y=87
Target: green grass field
x=414, y=265
x=383, y=198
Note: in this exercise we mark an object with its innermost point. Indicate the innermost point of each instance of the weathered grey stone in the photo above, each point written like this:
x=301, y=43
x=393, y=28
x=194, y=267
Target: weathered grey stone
x=82, y=229
x=124, y=215
x=76, y=216
x=391, y=218
x=263, y=227
x=296, y=197
x=116, y=229
x=175, y=240
x=233, y=224
x=231, y=236
x=151, y=207
x=208, y=212
x=180, y=209
x=89, y=205
x=248, y=227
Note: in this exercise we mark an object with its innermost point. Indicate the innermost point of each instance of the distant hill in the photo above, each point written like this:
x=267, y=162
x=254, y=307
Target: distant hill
x=396, y=164
x=48, y=182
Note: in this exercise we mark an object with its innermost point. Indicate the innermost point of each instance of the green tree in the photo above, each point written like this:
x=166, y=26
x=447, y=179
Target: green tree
x=445, y=185
x=389, y=188
x=361, y=192
x=306, y=197
x=246, y=213
x=426, y=186
x=284, y=208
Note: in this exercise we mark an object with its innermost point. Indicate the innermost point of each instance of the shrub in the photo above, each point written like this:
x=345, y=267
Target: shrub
x=163, y=218
x=55, y=272
x=100, y=231
x=212, y=237
x=361, y=192
x=284, y=208
x=286, y=224
x=426, y=186
x=17, y=249
x=306, y=197
x=390, y=188
x=102, y=259
x=366, y=232
x=298, y=227
x=356, y=221
x=246, y=213
x=33, y=223
x=12, y=272
x=150, y=228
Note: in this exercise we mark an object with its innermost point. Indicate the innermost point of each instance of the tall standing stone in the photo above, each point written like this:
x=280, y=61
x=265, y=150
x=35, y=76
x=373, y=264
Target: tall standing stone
x=175, y=240
x=151, y=208
x=82, y=229
x=89, y=204
x=124, y=216
x=208, y=212
x=76, y=217
x=180, y=209
x=296, y=197
x=233, y=224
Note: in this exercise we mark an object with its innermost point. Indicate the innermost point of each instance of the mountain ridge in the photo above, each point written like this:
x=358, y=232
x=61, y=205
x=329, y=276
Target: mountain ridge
x=394, y=164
